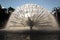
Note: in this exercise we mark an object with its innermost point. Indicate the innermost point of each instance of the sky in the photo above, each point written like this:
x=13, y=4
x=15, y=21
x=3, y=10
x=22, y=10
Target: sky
x=48, y=4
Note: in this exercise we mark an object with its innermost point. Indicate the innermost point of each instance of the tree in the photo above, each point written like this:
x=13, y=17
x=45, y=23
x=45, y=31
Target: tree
x=0, y=6
x=30, y=23
x=10, y=10
x=2, y=16
x=56, y=11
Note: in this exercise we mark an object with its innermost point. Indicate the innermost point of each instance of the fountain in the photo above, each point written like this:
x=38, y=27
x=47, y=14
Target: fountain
x=41, y=18
x=31, y=22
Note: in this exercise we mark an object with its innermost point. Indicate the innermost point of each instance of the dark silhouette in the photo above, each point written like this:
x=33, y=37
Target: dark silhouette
x=10, y=10
x=30, y=23
x=4, y=15
x=56, y=11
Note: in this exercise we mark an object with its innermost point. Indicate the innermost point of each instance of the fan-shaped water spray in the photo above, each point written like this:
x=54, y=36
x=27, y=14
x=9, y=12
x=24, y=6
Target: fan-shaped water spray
x=31, y=15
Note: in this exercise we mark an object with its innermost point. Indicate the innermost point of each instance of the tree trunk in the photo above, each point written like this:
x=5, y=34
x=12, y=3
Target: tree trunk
x=31, y=28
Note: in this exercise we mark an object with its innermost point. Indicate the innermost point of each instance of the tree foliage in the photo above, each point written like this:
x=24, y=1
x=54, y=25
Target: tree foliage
x=56, y=11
